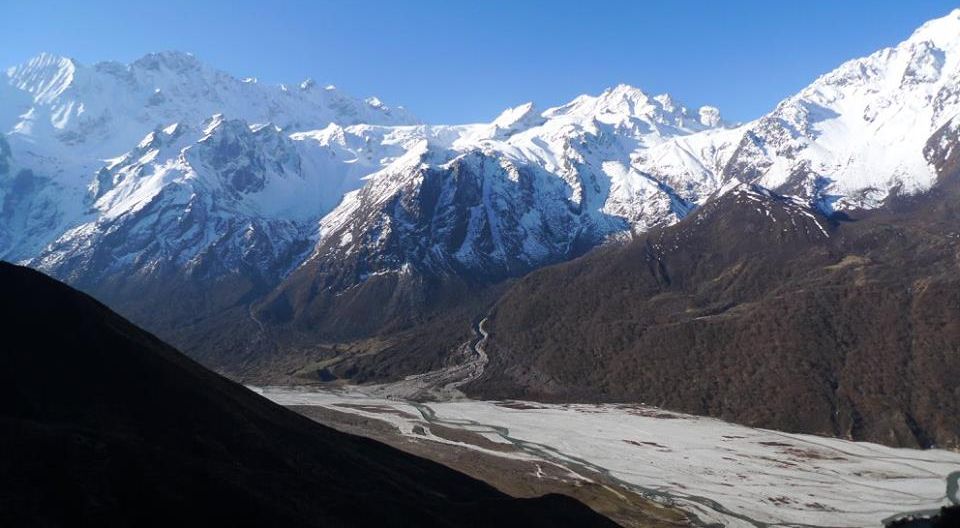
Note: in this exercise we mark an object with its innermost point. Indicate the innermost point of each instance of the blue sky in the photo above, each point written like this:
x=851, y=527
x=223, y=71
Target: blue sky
x=458, y=61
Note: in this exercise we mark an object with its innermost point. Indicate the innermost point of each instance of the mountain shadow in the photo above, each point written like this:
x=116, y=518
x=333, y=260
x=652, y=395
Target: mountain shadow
x=102, y=424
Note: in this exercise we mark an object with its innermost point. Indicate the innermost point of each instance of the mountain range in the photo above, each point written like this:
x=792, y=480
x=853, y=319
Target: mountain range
x=298, y=233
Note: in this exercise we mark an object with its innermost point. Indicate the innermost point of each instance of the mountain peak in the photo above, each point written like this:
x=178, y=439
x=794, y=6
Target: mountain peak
x=626, y=104
x=176, y=61
x=46, y=58
x=620, y=99
x=45, y=76
x=517, y=118
x=666, y=101
x=856, y=134
x=100, y=108
x=941, y=31
x=623, y=96
x=625, y=90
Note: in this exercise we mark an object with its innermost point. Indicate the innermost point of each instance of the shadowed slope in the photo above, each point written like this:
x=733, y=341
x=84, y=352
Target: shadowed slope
x=102, y=424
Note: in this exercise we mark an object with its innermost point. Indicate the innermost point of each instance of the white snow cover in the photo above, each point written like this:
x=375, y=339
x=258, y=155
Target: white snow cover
x=104, y=106
x=857, y=133
x=63, y=119
x=581, y=160
x=229, y=184
x=598, y=166
x=724, y=473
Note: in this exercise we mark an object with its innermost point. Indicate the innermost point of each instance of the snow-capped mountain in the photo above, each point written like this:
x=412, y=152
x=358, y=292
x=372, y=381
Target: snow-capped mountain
x=62, y=119
x=214, y=200
x=625, y=161
x=104, y=105
x=857, y=134
x=525, y=190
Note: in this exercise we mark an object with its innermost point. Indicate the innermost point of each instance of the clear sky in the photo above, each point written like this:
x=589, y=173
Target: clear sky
x=463, y=61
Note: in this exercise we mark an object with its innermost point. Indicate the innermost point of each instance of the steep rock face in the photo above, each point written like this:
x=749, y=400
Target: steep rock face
x=478, y=214
x=526, y=190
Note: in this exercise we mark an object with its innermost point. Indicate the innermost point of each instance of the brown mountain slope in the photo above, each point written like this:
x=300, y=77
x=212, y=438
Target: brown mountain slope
x=754, y=311
x=101, y=424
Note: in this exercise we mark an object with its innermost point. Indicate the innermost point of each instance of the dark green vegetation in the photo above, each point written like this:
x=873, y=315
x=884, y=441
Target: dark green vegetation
x=102, y=424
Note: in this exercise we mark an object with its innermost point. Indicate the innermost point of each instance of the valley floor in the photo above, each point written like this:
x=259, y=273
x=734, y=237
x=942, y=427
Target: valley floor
x=644, y=466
